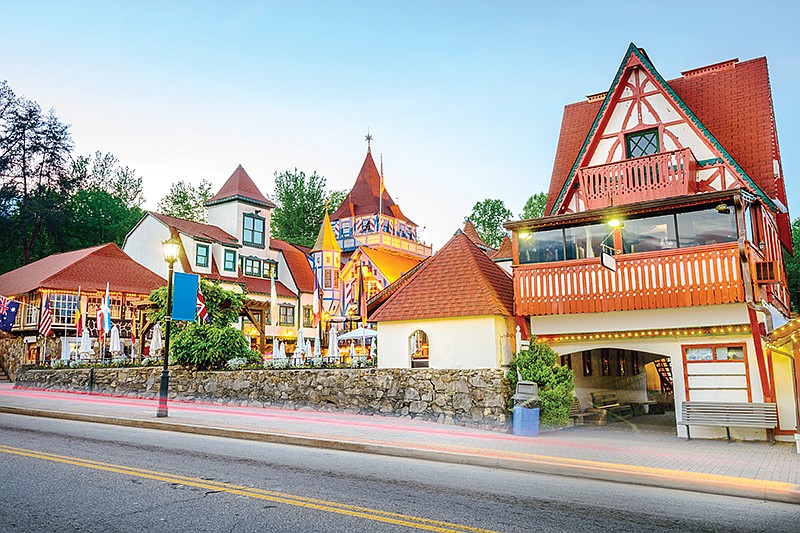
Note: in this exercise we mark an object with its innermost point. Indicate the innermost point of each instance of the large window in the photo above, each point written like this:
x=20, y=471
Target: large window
x=252, y=266
x=418, y=349
x=587, y=241
x=286, y=315
x=649, y=234
x=308, y=316
x=271, y=269
x=201, y=255
x=253, y=230
x=229, y=261
x=642, y=143
x=542, y=246
x=708, y=226
x=63, y=306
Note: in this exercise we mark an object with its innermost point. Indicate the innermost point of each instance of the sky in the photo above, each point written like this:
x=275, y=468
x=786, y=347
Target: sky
x=463, y=99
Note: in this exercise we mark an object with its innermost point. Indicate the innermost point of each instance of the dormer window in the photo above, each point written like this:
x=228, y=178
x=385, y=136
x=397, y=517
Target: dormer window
x=271, y=269
x=229, y=262
x=642, y=143
x=201, y=255
x=253, y=230
x=252, y=267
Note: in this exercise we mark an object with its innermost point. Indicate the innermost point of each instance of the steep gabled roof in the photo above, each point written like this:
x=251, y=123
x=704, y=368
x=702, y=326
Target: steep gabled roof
x=731, y=106
x=90, y=269
x=298, y=263
x=460, y=280
x=197, y=230
x=325, y=238
x=505, y=251
x=240, y=187
x=365, y=196
x=472, y=234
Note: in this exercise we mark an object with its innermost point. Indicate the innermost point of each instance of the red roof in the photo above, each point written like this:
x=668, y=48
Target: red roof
x=297, y=260
x=90, y=269
x=365, y=196
x=460, y=280
x=472, y=233
x=198, y=230
x=732, y=100
x=240, y=187
x=505, y=251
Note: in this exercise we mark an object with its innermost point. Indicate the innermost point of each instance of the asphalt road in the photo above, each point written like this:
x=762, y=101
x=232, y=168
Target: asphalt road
x=72, y=476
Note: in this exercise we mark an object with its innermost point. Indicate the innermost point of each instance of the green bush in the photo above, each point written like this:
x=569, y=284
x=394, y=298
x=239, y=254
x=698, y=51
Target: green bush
x=208, y=347
x=556, y=383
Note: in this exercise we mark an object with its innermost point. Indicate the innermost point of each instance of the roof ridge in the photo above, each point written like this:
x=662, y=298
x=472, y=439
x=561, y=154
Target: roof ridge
x=93, y=249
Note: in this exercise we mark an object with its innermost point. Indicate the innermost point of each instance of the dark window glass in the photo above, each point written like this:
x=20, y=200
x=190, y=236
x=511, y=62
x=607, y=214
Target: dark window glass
x=308, y=316
x=642, y=143
x=286, y=315
x=541, y=246
x=201, y=256
x=709, y=226
x=635, y=363
x=587, y=363
x=587, y=241
x=229, y=262
x=253, y=230
x=605, y=362
x=649, y=234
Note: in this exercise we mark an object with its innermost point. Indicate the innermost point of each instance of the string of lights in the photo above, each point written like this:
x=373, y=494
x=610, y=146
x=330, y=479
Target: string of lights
x=646, y=333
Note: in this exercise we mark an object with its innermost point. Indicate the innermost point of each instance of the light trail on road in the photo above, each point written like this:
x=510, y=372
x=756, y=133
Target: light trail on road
x=251, y=492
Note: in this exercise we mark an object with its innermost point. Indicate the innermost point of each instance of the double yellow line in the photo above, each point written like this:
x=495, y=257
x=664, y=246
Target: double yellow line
x=250, y=492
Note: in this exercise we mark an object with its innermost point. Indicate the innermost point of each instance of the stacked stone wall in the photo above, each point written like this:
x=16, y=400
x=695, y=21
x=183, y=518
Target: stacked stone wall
x=475, y=398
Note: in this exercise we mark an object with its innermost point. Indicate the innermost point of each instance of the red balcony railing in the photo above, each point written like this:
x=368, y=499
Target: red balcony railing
x=704, y=275
x=636, y=180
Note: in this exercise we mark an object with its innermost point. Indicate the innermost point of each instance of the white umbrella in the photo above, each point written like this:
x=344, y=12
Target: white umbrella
x=309, y=352
x=301, y=343
x=372, y=351
x=116, y=346
x=359, y=334
x=86, y=343
x=317, y=347
x=156, y=344
x=282, y=351
x=352, y=350
x=333, y=346
x=276, y=351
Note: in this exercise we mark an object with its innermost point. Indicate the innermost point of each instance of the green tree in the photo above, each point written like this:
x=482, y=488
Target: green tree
x=335, y=199
x=206, y=346
x=793, y=266
x=488, y=217
x=96, y=216
x=102, y=171
x=300, y=203
x=185, y=200
x=534, y=207
x=556, y=383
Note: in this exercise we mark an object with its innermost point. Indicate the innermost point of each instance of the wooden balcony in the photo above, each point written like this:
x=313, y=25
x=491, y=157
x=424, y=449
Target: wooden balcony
x=704, y=275
x=637, y=180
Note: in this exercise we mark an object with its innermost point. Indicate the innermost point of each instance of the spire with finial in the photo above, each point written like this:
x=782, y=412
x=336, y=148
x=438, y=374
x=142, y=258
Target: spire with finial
x=368, y=137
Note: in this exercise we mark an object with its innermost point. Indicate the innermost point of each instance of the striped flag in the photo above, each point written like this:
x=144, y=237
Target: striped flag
x=202, y=312
x=78, y=316
x=46, y=321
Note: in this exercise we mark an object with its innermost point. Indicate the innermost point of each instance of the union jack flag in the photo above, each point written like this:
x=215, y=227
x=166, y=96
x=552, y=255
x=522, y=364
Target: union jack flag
x=202, y=311
x=4, y=305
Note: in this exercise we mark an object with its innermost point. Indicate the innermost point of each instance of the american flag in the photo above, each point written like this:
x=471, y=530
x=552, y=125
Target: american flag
x=202, y=312
x=46, y=322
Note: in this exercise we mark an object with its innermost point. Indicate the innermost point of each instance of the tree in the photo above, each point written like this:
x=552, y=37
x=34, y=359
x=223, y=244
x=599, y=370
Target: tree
x=184, y=200
x=488, y=217
x=300, y=203
x=556, y=383
x=96, y=216
x=534, y=207
x=793, y=266
x=102, y=171
x=335, y=199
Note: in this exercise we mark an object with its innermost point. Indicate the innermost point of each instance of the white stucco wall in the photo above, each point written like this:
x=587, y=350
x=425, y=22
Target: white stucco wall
x=229, y=217
x=464, y=342
x=143, y=244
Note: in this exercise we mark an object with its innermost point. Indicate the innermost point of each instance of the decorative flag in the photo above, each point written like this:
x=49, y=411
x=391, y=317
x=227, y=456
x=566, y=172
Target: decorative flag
x=8, y=313
x=78, y=316
x=362, y=297
x=202, y=312
x=134, y=322
x=46, y=321
x=101, y=324
x=273, y=299
x=107, y=311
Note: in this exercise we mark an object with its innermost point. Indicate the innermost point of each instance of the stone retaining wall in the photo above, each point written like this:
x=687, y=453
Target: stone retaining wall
x=476, y=398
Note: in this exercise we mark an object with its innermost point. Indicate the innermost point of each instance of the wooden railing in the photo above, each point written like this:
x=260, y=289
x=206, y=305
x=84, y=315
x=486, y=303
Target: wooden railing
x=702, y=275
x=636, y=180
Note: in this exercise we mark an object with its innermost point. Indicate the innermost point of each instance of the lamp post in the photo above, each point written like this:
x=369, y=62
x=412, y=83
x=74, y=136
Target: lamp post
x=172, y=248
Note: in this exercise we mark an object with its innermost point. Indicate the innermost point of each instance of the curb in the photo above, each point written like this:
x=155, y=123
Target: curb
x=577, y=468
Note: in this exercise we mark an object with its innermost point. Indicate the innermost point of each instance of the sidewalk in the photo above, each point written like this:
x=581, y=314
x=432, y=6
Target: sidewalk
x=748, y=469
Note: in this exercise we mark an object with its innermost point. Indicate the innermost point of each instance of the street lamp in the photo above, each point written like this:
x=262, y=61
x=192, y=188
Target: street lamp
x=171, y=248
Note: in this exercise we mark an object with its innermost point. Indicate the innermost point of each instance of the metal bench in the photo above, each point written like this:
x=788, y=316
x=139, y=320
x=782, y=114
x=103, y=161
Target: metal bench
x=579, y=417
x=608, y=404
x=728, y=415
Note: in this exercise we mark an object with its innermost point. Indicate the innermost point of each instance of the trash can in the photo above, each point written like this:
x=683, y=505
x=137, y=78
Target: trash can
x=526, y=409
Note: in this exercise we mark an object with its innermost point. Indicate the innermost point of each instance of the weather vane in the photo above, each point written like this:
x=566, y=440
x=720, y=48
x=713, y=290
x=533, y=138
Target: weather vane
x=368, y=137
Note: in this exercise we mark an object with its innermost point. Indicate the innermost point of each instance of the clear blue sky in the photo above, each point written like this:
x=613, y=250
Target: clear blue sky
x=464, y=99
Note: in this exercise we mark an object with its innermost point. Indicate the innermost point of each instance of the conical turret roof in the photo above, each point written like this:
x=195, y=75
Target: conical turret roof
x=240, y=187
x=326, y=240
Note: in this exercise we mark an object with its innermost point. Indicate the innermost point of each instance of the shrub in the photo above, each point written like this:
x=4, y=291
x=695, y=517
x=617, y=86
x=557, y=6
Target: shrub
x=209, y=347
x=556, y=383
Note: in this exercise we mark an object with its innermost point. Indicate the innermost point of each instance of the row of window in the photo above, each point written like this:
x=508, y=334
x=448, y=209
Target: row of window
x=251, y=266
x=286, y=316
x=645, y=234
x=612, y=362
x=63, y=307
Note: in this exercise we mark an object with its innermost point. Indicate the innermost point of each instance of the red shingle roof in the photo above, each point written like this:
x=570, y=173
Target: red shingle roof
x=298, y=263
x=365, y=196
x=735, y=105
x=460, y=280
x=472, y=234
x=251, y=284
x=505, y=251
x=198, y=230
x=240, y=187
x=90, y=269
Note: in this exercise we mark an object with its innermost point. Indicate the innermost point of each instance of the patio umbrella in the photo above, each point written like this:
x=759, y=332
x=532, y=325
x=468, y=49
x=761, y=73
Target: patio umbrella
x=359, y=334
x=116, y=346
x=317, y=347
x=353, y=359
x=372, y=351
x=86, y=343
x=282, y=351
x=276, y=351
x=309, y=353
x=301, y=343
x=156, y=344
x=333, y=346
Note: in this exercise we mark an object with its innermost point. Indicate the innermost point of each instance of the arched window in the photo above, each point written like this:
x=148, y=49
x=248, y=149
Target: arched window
x=418, y=349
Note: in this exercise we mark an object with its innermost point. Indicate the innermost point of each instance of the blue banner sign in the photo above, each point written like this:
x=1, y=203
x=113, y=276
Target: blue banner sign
x=184, y=296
